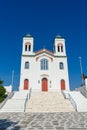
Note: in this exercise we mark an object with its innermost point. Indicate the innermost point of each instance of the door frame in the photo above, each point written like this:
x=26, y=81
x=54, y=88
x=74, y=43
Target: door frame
x=26, y=84
x=63, y=87
x=44, y=82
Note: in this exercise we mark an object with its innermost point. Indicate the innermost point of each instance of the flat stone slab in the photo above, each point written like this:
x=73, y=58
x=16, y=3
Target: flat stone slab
x=43, y=121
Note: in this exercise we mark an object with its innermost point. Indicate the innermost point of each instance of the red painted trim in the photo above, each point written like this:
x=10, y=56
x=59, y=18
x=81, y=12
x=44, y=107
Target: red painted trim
x=46, y=51
x=59, y=44
x=27, y=43
x=44, y=55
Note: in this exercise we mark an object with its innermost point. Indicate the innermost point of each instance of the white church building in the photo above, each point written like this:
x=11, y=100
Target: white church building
x=46, y=74
x=44, y=70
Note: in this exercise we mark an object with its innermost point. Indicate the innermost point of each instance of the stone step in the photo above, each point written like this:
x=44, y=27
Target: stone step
x=48, y=102
x=79, y=100
x=16, y=103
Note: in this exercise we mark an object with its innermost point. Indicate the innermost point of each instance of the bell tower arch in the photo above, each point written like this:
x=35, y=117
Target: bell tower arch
x=59, y=46
x=28, y=45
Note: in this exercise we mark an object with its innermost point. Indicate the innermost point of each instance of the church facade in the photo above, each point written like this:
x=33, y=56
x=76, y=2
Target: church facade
x=44, y=70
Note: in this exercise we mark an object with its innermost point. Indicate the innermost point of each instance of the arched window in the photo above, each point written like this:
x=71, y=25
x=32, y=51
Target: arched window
x=44, y=64
x=61, y=65
x=61, y=48
x=29, y=47
x=58, y=48
x=25, y=47
x=27, y=65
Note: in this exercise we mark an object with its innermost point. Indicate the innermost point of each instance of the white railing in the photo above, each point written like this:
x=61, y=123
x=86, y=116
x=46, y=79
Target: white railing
x=83, y=90
x=10, y=95
x=25, y=103
x=30, y=93
x=65, y=94
x=73, y=102
x=27, y=98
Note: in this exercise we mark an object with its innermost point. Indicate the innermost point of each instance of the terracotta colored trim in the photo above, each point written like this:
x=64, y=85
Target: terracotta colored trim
x=59, y=44
x=27, y=43
x=44, y=50
x=44, y=55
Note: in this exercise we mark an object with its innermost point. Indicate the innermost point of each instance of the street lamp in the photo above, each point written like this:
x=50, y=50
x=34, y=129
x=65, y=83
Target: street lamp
x=12, y=78
x=80, y=60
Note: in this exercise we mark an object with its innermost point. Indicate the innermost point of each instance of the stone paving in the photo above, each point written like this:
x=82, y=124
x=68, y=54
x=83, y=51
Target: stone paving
x=43, y=121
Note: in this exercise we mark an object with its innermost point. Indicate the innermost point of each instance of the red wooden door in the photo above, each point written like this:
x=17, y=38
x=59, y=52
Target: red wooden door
x=63, y=85
x=26, y=83
x=44, y=84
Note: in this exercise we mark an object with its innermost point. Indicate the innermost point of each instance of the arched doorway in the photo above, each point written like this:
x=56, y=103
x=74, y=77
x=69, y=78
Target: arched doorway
x=44, y=84
x=63, y=84
x=26, y=84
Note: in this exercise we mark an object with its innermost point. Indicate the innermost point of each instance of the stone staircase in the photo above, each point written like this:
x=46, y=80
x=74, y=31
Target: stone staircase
x=9, y=96
x=78, y=101
x=48, y=102
x=16, y=103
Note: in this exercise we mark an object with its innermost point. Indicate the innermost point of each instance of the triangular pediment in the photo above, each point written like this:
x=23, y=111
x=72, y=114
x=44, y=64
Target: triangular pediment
x=44, y=53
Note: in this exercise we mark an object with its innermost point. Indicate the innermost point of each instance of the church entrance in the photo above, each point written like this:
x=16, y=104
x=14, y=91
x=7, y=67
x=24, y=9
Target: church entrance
x=26, y=83
x=44, y=84
x=63, y=84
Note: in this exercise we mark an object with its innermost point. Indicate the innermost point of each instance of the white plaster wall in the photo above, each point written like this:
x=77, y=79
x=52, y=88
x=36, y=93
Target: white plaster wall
x=30, y=40
x=86, y=84
x=35, y=75
x=53, y=74
x=8, y=88
x=56, y=42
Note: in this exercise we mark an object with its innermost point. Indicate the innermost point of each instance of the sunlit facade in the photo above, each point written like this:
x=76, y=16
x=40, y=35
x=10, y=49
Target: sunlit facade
x=44, y=70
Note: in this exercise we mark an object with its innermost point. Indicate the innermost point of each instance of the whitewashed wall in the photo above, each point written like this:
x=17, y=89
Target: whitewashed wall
x=53, y=74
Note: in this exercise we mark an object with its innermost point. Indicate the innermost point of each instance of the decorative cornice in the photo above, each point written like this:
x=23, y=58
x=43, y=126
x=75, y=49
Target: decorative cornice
x=60, y=56
x=37, y=54
x=44, y=75
x=44, y=50
x=51, y=58
x=28, y=55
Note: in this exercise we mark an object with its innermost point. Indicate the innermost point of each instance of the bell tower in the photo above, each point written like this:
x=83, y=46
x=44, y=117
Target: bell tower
x=28, y=43
x=59, y=46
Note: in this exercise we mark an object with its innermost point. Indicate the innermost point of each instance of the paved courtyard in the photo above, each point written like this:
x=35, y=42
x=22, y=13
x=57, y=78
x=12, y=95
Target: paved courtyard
x=43, y=121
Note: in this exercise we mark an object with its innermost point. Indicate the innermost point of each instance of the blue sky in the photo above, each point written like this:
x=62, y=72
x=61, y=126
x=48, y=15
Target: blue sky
x=43, y=19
